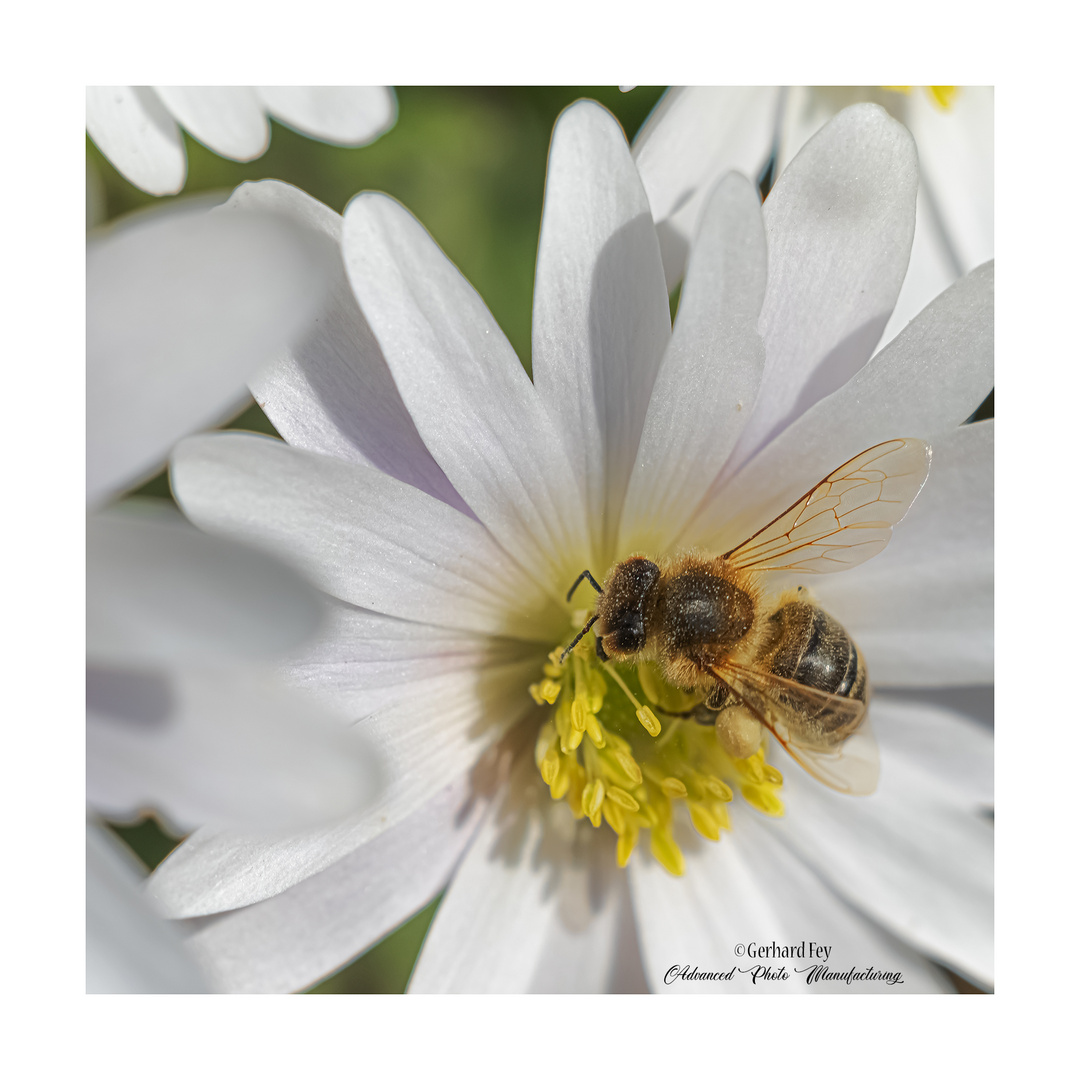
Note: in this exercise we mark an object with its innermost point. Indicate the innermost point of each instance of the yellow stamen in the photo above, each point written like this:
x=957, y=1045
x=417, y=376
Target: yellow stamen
x=613, y=761
x=666, y=852
x=623, y=798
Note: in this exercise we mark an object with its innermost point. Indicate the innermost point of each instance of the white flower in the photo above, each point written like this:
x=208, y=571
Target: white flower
x=136, y=127
x=446, y=502
x=698, y=133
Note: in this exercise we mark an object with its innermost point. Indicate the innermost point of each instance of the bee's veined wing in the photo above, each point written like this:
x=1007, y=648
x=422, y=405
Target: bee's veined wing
x=828, y=735
x=844, y=520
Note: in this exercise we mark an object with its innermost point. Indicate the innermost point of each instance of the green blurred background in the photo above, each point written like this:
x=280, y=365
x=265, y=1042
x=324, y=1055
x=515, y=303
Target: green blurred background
x=470, y=164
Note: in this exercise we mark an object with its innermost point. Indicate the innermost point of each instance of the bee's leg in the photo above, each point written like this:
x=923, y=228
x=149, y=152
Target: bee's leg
x=603, y=656
x=718, y=697
x=583, y=576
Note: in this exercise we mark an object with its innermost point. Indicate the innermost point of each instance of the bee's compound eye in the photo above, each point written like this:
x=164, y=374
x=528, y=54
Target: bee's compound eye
x=630, y=634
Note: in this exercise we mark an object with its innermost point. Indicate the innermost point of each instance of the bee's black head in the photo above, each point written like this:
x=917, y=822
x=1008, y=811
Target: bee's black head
x=624, y=607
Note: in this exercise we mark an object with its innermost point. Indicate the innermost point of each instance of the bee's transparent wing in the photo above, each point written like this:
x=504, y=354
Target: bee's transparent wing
x=829, y=736
x=844, y=520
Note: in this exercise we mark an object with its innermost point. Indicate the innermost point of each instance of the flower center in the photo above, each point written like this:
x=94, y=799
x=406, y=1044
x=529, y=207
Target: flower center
x=621, y=745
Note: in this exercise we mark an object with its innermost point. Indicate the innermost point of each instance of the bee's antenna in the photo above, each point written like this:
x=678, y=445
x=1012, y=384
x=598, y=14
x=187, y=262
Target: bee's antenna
x=584, y=630
x=578, y=580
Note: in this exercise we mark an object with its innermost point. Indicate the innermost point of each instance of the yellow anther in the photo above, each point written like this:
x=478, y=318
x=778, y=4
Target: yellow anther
x=578, y=715
x=666, y=852
x=534, y=693
x=592, y=798
x=627, y=843
x=762, y=798
x=595, y=732
x=704, y=821
x=549, y=690
x=614, y=816
x=553, y=671
x=648, y=720
x=674, y=788
x=623, y=798
x=627, y=765
x=549, y=768
x=718, y=789
x=561, y=784
x=572, y=740
x=774, y=776
x=752, y=768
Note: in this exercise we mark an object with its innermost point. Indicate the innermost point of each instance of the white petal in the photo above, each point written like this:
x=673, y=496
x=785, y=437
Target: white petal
x=232, y=289
x=332, y=392
x=923, y=610
x=291, y=940
x=433, y=731
x=228, y=119
x=694, y=136
x=362, y=659
x=930, y=270
x=130, y=949
x=360, y=535
x=349, y=115
x=917, y=856
x=947, y=736
x=709, y=376
x=600, y=309
x=134, y=130
x=229, y=748
x=748, y=891
x=472, y=402
x=535, y=890
x=956, y=157
x=158, y=591
x=923, y=385
x=839, y=224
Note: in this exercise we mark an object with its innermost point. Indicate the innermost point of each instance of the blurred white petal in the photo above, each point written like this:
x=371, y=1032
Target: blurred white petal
x=228, y=119
x=159, y=592
x=181, y=310
x=349, y=115
x=134, y=130
x=229, y=747
x=130, y=949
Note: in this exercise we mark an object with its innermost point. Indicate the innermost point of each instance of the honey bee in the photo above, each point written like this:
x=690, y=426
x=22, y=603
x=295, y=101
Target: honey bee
x=762, y=656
